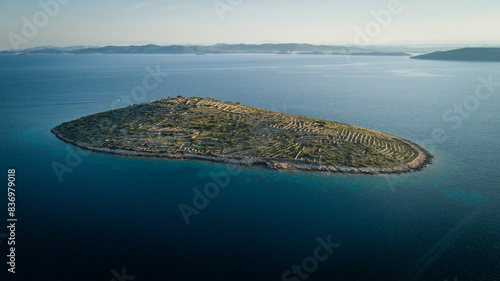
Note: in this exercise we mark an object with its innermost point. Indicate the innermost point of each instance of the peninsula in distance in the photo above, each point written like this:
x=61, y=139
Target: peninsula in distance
x=209, y=129
x=464, y=54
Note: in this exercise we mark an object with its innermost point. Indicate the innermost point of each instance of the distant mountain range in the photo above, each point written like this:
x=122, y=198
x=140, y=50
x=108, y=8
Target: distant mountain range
x=292, y=48
x=464, y=54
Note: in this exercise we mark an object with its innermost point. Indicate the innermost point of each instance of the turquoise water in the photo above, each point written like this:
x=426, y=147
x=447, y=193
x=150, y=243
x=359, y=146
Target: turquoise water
x=108, y=212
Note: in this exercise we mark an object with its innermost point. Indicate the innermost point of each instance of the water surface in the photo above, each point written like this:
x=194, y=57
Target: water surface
x=112, y=212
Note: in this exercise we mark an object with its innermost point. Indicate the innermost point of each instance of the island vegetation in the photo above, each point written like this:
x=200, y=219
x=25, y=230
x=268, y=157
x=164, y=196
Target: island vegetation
x=209, y=129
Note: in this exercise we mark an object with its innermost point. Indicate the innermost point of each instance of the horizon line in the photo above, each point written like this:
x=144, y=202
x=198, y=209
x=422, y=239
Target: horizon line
x=388, y=44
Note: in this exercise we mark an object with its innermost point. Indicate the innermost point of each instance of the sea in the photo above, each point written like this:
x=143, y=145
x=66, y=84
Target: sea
x=83, y=215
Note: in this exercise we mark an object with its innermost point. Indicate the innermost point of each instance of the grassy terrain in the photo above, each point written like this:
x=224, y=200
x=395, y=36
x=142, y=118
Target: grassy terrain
x=210, y=127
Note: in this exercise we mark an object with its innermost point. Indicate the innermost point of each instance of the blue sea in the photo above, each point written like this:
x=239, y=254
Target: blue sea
x=90, y=216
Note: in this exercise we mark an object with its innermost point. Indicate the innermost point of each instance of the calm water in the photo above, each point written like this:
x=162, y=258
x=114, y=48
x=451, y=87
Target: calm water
x=111, y=212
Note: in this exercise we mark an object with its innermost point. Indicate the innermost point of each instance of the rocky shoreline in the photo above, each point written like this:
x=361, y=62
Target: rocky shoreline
x=417, y=164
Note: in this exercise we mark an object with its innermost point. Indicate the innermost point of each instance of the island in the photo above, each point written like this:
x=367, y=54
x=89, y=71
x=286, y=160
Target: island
x=229, y=132
x=464, y=54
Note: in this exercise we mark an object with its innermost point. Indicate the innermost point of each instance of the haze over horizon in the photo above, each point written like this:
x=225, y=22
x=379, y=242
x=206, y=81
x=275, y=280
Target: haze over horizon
x=26, y=24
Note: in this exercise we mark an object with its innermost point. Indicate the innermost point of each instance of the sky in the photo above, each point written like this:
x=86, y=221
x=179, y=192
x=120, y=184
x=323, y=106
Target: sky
x=25, y=24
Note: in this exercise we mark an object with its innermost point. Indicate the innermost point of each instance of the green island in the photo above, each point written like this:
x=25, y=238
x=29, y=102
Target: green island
x=209, y=129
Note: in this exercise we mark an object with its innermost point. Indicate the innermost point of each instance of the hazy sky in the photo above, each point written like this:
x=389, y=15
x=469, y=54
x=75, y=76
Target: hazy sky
x=123, y=22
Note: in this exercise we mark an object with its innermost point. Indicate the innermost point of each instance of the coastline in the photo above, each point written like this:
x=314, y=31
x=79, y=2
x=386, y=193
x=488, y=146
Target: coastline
x=424, y=158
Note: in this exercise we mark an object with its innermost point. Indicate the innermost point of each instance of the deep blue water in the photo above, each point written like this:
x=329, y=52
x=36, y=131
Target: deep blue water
x=114, y=212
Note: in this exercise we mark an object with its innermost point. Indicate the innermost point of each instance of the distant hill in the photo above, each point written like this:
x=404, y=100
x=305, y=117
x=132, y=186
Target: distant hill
x=147, y=49
x=464, y=54
x=380, y=54
x=291, y=48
